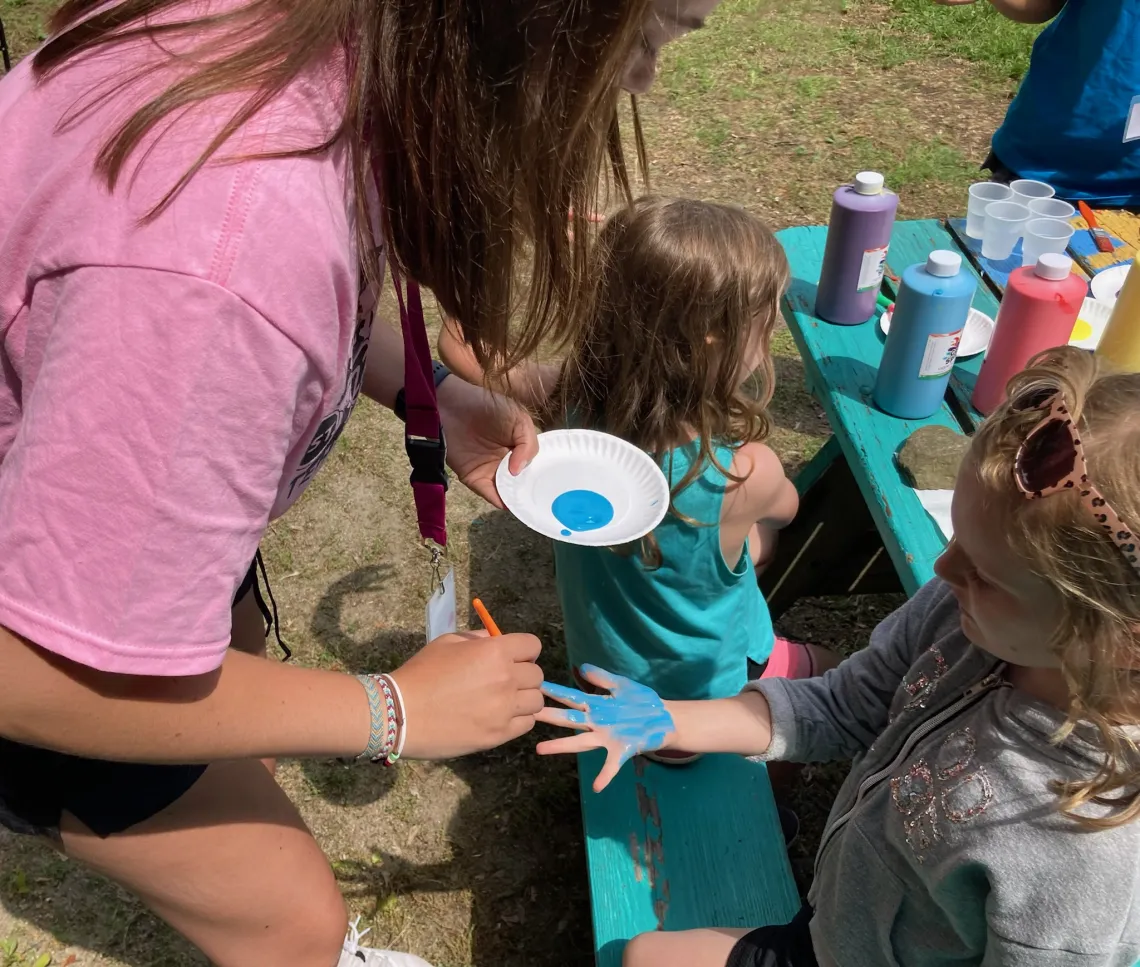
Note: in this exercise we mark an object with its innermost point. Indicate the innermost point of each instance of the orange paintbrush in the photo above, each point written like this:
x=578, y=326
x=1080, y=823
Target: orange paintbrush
x=485, y=617
x=1100, y=237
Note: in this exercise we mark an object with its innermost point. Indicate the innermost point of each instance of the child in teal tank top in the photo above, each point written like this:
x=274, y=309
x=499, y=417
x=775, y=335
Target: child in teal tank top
x=673, y=356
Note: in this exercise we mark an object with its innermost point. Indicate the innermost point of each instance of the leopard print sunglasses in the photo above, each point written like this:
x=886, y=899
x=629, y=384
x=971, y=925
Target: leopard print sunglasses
x=1051, y=460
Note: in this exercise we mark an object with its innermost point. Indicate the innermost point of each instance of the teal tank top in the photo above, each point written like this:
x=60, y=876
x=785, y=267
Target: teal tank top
x=686, y=628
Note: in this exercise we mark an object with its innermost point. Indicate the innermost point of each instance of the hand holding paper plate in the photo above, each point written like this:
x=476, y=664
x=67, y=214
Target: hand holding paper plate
x=588, y=488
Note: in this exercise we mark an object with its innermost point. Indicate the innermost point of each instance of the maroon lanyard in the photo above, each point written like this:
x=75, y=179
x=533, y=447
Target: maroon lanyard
x=423, y=432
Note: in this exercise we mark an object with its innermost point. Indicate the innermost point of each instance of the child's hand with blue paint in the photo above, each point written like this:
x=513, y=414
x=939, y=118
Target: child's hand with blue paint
x=630, y=720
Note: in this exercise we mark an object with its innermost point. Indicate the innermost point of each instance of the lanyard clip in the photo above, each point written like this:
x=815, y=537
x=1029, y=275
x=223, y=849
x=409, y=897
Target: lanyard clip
x=436, y=565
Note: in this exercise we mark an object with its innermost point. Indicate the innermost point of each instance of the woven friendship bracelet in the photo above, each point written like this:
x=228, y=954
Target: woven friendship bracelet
x=390, y=759
x=382, y=711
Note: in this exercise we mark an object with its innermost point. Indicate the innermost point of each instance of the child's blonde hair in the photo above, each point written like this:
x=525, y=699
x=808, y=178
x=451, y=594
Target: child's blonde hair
x=1098, y=637
x=684, y=290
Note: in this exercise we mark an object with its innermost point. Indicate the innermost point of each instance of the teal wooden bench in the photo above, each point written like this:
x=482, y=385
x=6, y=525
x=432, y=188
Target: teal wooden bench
x=861, y=528
x=673, y=848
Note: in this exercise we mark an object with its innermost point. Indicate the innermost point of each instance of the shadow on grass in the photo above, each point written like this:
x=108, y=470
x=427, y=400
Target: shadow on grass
x=516, y=840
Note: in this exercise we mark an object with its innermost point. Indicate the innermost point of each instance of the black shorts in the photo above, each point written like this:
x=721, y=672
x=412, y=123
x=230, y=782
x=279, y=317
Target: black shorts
x=37, y=786
x=784, y=946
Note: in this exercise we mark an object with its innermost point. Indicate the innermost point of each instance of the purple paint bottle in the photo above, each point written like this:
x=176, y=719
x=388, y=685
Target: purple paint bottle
x=855, y=258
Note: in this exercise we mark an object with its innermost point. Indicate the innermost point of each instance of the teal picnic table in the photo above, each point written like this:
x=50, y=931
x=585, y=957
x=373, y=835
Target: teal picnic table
x=861, y=528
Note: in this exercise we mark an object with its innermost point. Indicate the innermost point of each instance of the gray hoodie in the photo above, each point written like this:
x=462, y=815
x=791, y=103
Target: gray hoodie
x=945, y=845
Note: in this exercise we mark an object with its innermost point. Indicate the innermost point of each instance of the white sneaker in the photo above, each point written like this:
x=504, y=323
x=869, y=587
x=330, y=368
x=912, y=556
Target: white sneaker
x=355, y=955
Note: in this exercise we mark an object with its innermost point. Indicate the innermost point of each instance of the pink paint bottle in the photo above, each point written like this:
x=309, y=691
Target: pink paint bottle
x=1038, y=312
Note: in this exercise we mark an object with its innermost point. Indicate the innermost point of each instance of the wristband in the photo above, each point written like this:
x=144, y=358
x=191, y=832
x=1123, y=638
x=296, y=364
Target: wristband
x=394, y=755
x=382, y=734
x=439, y=373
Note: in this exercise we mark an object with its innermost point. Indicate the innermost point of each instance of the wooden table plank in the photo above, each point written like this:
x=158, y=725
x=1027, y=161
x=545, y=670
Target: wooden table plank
x=675, y=848
x=840, y=363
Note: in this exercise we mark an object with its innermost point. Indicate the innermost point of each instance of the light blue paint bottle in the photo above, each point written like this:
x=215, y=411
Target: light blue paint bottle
x=926, y=328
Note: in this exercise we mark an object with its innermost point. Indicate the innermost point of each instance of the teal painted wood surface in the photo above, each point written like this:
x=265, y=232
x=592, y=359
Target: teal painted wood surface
x=840, y=363
x=681, y=847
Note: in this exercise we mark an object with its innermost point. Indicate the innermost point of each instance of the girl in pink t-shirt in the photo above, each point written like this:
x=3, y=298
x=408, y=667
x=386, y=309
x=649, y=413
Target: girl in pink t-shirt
x=185, y=324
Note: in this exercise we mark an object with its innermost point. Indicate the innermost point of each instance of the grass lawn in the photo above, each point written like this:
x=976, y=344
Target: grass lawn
x=480, y=862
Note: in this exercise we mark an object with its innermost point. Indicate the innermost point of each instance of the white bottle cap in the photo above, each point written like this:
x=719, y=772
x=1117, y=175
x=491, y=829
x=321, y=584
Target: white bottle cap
x=869, y=183
x=944, y=264
x=1054, y=266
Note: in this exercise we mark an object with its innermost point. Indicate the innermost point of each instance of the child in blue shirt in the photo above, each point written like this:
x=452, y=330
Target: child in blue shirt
x=1075, y=122
x=674, y=357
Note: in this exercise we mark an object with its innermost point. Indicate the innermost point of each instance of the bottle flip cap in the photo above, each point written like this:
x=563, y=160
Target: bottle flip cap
x=1053, y=266
x=943, y=263
x=869, y=183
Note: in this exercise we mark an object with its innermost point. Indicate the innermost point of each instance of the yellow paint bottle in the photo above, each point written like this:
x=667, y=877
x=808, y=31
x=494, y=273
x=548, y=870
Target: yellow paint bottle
x=1120, y=344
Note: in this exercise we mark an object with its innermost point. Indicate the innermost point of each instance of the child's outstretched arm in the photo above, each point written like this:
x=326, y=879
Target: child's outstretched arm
x=528, y=384
x=759, y=507
x=1021, y=11
x=632, y=719
x=821, y=719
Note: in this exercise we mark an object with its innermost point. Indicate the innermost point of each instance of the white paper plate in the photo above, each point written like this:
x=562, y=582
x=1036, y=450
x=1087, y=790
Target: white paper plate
x=1090, y=324
x=587, y=488
x=1106, y=285
x=975, y=337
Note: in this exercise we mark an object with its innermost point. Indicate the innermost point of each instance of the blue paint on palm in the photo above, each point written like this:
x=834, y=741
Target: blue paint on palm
x=632, y=714
x=582, y=510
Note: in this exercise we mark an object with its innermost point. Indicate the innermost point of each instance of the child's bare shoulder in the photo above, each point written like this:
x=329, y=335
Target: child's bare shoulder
x=763, y=484
x=760, y=467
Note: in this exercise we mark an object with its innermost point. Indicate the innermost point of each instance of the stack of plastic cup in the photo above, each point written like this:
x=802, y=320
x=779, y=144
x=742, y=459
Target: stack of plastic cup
x=982, y=194
x=1044, y=235
x=1025, y=190
x=1005, y=221
x=1051, y=208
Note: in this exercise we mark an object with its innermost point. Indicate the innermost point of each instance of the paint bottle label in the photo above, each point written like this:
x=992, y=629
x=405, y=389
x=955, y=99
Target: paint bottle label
x=941, y=351
x=873, y=268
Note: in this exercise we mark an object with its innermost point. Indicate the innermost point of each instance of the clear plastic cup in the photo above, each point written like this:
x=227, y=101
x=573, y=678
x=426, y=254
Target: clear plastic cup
x=1051, y=208
x=982, y=194
x=1044, y=235
x=1025, y=190
x=1004, y=223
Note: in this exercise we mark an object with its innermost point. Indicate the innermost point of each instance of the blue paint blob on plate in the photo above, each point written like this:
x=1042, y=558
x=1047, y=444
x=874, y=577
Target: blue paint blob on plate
x=565, y=532
x=582, y=510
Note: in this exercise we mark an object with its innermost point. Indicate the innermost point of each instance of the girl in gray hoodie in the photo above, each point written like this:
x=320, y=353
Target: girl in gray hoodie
x=993, y=721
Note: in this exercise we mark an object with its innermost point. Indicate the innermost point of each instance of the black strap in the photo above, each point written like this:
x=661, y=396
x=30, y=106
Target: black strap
x=272, y=618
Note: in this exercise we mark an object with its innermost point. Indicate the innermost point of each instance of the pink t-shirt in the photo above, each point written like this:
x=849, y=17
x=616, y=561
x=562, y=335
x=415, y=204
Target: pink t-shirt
x=165, y=388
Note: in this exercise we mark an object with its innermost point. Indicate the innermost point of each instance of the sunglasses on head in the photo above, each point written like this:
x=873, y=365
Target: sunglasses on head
x=1051, y=460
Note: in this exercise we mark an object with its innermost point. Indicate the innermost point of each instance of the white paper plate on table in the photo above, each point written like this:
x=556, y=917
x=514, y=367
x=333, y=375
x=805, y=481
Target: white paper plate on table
x=1090, y=324
x=1106, y=285
x=587, y=488
x=975, y=337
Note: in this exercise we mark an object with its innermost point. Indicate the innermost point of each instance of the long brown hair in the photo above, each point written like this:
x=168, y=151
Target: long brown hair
x=685, y=291
x=1098, y=637
x=486, y=123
